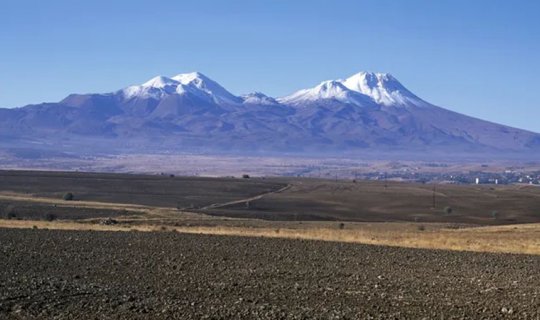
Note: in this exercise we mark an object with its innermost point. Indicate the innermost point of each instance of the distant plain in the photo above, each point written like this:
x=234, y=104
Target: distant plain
x=460, y=217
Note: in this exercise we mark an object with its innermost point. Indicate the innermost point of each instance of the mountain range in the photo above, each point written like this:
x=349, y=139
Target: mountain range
x=367, y=113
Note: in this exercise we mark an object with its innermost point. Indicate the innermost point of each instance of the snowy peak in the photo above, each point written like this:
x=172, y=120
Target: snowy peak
x=367, y=113
x=259, y=99
x=159, y=82
x=327, y=90
x=155, y=88
x=201, y=82
x=186, y=78
x=383, y=88
x=194, y=83
x=361, y=89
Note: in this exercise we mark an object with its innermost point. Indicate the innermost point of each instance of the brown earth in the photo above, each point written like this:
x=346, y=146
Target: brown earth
x=376, y=201
x=149, y=190
x=288, y=199
x=82, y=273
x=165, y=275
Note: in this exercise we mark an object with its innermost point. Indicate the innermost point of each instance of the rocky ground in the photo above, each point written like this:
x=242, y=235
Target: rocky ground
x=162, y=275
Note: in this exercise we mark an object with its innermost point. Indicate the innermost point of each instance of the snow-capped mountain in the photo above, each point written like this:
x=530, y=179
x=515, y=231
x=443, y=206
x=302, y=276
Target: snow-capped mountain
x=327, y=90
x=194, y=83
x=365, y=113
x=383, y=88
x=363, y=88
x=258, y=98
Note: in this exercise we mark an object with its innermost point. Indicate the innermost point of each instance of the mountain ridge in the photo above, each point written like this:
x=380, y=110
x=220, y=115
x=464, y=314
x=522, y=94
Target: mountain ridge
x=366, y=112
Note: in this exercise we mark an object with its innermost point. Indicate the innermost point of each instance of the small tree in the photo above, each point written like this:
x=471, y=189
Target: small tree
x=448, y=210
x=245, y=176
x=341, y=226
x=495, y=214
x=68, y=196
x=10, y=212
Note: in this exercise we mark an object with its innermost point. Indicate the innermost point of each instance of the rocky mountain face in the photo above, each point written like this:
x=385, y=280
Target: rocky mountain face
x=364, y=114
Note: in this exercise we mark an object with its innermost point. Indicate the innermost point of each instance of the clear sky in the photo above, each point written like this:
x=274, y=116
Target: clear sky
x=480, y=57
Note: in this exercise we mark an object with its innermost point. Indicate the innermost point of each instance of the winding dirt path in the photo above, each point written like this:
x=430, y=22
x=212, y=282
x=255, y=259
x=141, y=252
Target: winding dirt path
x=257, y=197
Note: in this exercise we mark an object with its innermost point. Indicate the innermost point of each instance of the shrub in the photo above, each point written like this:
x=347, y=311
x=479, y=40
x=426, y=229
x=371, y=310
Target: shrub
x=421, y=227
x=9, y=211
x=68, y=196
x=245, y=176
x=50, y=217
x=448, y=210
x=341, y=226
x=494, y=214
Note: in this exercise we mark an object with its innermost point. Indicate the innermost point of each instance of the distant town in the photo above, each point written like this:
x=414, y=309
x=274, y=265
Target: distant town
x=472, y=177
x=428, y=173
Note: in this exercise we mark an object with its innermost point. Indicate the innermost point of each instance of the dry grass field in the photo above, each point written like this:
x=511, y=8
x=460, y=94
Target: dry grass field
x=523, y=239
x=392, y=214
x=377, y=201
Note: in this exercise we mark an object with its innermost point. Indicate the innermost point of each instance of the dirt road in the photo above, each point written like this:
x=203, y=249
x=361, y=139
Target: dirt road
x=246, y=200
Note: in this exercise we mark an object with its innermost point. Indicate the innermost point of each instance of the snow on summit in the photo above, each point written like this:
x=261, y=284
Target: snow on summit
x=192, y=112
x=194, y=83
x=358, y=89
x=207, y=85
x=361, y=89
x=258, y=98
x=159, y=82
x=383, y=88
x=331, y=89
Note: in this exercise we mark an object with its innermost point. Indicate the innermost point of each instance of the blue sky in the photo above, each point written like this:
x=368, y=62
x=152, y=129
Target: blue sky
x=477, y=57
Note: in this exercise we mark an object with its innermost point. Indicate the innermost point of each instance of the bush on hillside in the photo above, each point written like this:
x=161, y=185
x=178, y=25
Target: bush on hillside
x=68, y=196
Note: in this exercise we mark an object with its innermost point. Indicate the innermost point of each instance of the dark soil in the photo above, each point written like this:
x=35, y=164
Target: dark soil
x=39, y=211
x=306, y=199
x=133, y=275
x=151, y=190
x=376, y=201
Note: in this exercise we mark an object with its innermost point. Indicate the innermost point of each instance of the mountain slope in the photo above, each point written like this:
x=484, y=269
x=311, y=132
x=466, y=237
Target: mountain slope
x=367, y=112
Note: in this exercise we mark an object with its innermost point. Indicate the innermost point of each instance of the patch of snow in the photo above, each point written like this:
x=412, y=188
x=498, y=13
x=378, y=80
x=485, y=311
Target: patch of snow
x=207, y=85
x=187, y=83
x=360, y=89
x=383, y=88
x=258, y=98
x=331, y=89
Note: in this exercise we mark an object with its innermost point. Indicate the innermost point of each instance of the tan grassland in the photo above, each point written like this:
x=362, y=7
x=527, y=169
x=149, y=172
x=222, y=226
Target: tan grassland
x=523, y=239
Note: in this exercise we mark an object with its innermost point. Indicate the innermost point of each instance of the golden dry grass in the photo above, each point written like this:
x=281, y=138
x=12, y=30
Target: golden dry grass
x=524, y=239
x=518, y=239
